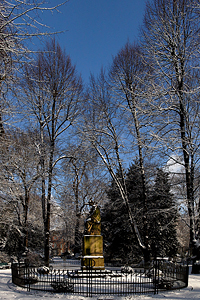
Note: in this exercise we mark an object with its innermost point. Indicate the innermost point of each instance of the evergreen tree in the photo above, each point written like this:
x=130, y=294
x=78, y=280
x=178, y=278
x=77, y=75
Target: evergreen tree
x=162, y=217
x=135, y=194
x=119, y=240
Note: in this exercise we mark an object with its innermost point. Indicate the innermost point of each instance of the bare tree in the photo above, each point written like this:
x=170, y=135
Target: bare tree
x=20, y=171
x=85, y=182
x=52, y=92
x=127, y=76
x=106, y=131
x=19, y=23
x=170, y=39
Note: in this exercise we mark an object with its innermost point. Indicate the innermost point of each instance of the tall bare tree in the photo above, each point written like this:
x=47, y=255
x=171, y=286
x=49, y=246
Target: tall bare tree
x=51, y=94
x=20, y=172
x=85, y=182
x=170, y=39
x=105, y=129
x=19, y=23
x=128, y=74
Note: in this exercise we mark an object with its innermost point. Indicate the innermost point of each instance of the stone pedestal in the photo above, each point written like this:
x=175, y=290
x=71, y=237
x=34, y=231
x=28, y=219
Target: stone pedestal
x=92, y=255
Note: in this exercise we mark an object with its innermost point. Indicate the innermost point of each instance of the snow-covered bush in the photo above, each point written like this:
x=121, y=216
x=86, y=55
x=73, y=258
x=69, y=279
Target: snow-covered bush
x=43, y=270
x=127, y=269
x=64, y=286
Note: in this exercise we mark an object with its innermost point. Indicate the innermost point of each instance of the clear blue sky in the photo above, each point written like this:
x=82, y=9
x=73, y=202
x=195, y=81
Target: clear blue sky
x=95, y=30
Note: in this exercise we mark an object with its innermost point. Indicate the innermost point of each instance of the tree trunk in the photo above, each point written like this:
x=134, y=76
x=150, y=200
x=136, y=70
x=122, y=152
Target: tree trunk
x=2, y=132
x=77, y=235
x=25, y=221
x=47, y=222
x=132, y=107
x=188, y=176
x=50, y=174
x=47, y=235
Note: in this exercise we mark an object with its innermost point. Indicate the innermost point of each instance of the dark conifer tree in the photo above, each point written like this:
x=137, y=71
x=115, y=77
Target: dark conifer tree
x=135, y=193
x=162, y=218
x=119, y=240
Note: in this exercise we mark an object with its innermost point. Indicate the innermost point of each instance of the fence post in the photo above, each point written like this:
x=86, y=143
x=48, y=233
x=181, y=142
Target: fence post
x=187, y=275
x=156, y=276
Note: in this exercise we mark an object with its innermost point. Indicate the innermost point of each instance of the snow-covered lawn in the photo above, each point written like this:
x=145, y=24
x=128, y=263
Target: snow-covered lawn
x=8, y=291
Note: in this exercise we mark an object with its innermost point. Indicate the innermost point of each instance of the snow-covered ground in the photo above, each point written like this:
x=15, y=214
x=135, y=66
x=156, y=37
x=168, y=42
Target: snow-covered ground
x=9, y=291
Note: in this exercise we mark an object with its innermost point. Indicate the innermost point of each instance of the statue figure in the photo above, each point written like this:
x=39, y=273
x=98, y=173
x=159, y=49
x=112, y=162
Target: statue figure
x=92, y=251
x=93, y=221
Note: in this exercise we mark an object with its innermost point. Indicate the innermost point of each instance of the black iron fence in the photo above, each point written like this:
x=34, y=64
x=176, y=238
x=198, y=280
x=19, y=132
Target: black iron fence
x=160, y=276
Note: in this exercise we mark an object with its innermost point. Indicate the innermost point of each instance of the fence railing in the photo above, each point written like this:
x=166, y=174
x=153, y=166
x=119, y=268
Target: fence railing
x=160, y=276
x=170, y=276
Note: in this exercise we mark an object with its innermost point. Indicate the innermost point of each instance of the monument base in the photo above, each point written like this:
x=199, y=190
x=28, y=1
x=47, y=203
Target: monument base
x=92, y=252
x=94, y=262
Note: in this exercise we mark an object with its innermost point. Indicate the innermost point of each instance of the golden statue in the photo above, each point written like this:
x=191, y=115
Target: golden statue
x=93, y=222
